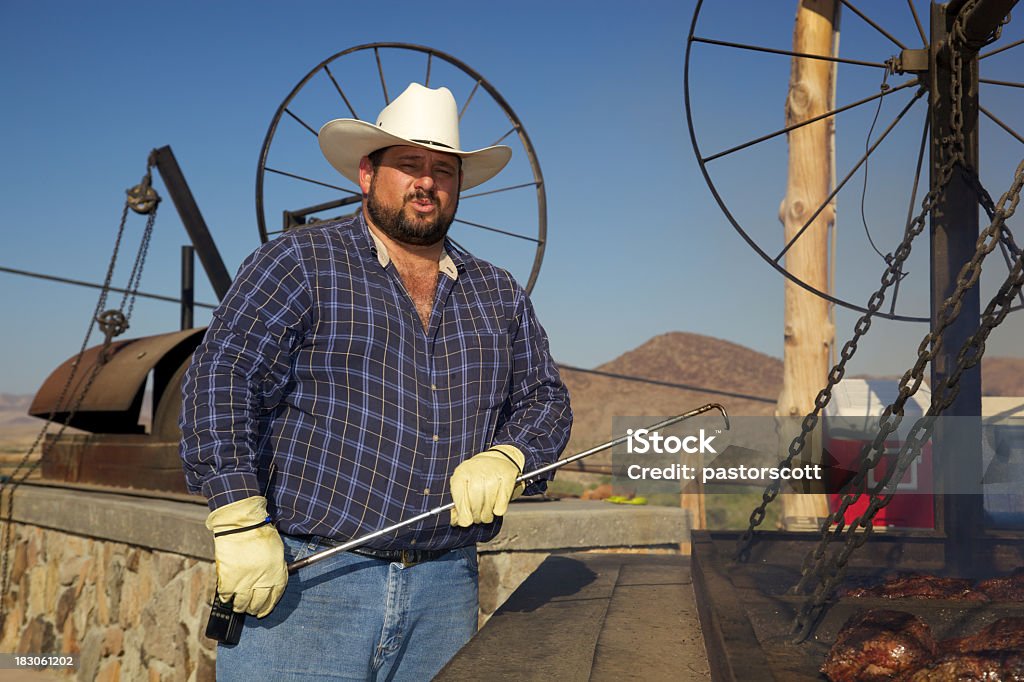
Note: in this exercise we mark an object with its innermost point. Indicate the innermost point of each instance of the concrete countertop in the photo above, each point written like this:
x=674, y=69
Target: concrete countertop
x=177, y=525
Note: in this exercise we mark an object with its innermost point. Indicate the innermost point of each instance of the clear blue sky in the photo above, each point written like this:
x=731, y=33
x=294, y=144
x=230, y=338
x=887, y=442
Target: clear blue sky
x=636, y=244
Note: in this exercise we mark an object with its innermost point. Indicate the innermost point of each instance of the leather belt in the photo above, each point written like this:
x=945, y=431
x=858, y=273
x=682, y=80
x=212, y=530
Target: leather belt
x=406, y=557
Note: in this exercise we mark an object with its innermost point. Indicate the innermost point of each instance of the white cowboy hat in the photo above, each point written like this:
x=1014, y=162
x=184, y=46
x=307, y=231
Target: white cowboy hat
x=419, y=117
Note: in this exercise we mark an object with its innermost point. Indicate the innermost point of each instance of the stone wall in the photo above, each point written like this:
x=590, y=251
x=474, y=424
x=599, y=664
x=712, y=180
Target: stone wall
x=124, y=580
x=127, y=612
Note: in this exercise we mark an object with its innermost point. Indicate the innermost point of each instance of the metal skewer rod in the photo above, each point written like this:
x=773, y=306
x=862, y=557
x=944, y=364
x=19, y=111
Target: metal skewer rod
x=358, y=542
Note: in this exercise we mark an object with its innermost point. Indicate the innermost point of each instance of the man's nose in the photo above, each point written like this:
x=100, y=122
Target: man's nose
x=425, y=181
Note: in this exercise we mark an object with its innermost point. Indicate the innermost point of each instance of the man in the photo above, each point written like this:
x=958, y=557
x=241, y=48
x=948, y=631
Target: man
x=357, y=374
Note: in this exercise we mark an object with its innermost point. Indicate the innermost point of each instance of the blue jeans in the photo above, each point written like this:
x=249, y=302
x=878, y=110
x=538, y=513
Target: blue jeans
x=351, y=617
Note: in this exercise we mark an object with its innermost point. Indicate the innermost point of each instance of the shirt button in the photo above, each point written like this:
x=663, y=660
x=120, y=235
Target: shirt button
x=426, y=491
x=433, y=387
x=436, y=438
x=412, y=542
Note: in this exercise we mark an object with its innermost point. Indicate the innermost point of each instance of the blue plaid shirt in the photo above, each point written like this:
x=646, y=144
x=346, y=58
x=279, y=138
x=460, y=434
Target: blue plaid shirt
x=317, y=385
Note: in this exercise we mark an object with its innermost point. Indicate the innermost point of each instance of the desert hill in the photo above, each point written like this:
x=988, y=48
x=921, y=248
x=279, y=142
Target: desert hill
x=704, y=361
x=14, y=417
x=1002, y=376
x=676, y=357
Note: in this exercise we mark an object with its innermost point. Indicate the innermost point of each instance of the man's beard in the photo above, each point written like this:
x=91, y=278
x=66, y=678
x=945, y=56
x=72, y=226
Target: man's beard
x=394, y=222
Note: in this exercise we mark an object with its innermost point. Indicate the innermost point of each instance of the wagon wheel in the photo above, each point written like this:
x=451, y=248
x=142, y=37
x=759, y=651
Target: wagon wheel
x=874, y=154
x=505, y=220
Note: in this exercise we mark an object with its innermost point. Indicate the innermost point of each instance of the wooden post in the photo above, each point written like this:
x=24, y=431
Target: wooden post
x=808, y=331
x=692, y=499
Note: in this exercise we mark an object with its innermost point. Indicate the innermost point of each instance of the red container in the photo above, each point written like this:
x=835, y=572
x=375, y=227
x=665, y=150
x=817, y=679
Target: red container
x=851, y=421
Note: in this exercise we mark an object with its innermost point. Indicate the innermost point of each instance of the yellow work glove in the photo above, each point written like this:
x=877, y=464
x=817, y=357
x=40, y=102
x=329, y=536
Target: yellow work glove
x=484, y=484
x=251, y=570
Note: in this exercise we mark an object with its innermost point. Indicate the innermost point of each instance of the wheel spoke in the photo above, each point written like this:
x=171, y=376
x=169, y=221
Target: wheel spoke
x=1009, y=264
x=1008, y=84
x=1004, y=48
x=380, y=70
x=999, y=123
x=495, y=229
x=502, y=138
x=495, y=192
x=310, y=180
x=827, y=114
x=301, y=122
x=874, y=25
x=917, y=22
x=340, y=92
x=910, y=208
x=468, y=100
x=789, y=53
x=326, y=206
x=849, y=175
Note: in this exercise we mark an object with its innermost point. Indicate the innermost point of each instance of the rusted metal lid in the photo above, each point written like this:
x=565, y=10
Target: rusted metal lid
x=114, y=400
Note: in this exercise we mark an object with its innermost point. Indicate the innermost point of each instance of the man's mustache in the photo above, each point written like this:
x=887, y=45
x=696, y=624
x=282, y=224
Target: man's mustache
x=422, y=195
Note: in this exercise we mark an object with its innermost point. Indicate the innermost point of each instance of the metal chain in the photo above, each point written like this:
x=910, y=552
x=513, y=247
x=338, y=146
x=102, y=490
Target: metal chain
x=135, y=279
x=969, y=355
x=1007, y=245
x=112, y=323
x=951, y=153
x=835, y=375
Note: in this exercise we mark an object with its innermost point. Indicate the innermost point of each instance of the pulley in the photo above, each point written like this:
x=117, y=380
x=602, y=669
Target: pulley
x=112, y=323
x=142, y=198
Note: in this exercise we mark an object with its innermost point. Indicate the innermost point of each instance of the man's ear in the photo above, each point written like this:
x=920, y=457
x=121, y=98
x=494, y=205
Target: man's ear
x=365, y=174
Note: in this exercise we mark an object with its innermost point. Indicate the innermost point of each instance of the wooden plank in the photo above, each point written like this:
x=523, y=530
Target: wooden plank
x=651, y=629
x=723, y=620
x=547, y=630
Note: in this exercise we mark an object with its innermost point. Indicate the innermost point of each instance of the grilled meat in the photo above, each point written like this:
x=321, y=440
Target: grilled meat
x=1008, y=588
x=879, y=645
x=980, y=666
x=885, y=645
x=919, y=585
x=1005, y=634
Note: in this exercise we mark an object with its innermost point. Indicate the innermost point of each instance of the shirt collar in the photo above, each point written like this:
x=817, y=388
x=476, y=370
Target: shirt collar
x=445, y=264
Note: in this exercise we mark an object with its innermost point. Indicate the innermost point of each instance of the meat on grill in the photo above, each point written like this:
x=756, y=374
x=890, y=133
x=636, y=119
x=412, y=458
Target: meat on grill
x=879, y=644
x=1009, y=588
x=1005, y=634
x=987, y=666
x=920, y=585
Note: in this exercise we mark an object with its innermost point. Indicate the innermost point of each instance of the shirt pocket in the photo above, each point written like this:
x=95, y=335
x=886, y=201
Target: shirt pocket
x=487, y=359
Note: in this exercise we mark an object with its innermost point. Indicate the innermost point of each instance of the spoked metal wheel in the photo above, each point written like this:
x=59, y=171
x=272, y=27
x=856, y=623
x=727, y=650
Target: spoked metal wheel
x=737, y=75
x=503, y=220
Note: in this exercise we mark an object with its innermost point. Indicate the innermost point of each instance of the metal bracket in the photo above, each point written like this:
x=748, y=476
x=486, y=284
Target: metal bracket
x=299, y=217
x=911, y=61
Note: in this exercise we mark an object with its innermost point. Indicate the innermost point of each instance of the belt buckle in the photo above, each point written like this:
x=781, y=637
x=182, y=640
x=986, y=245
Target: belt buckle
x=407, y=556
